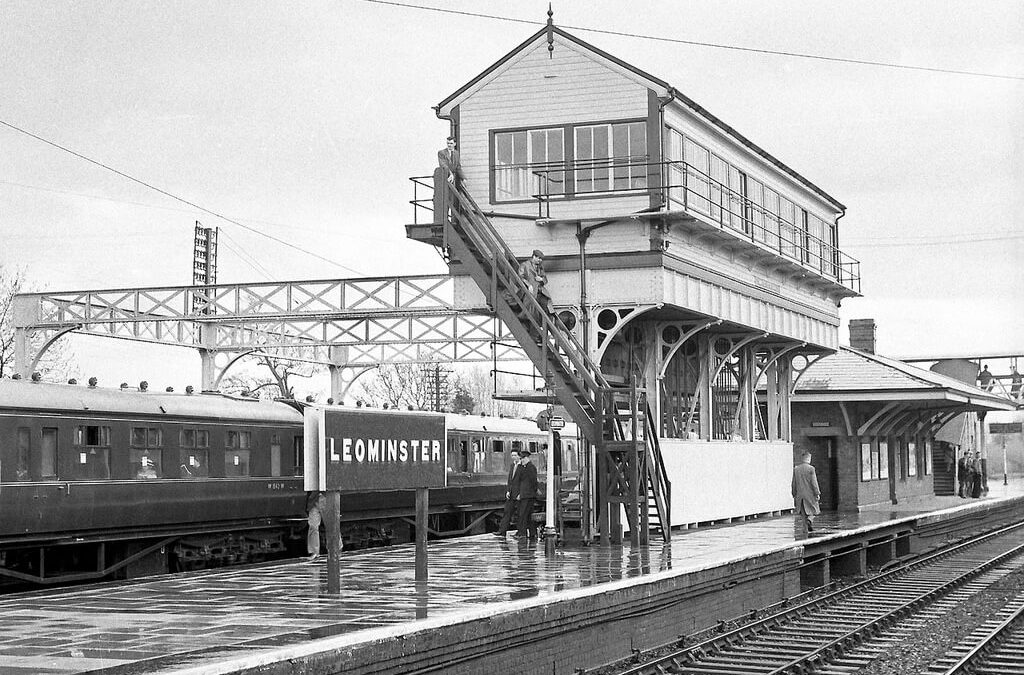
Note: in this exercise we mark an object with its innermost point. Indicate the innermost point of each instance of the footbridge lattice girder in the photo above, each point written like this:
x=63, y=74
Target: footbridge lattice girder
x=382, y=319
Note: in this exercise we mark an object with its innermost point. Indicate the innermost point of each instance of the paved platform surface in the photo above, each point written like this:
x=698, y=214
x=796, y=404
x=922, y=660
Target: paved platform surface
x=157, y=625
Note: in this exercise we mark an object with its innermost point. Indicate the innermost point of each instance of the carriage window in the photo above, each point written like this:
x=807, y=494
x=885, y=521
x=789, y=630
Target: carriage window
x=298, y=455
x=236, y=463
x=146, y=438
x=92, y=436
x=479, y=459
x=245, y=439
x=93, y=460
x=21, y=471
x=194, y=463
x=48, y=454
x=187, y=438
x=231, y=439
x=146, y=464
x=497, y=463
x=275, y=455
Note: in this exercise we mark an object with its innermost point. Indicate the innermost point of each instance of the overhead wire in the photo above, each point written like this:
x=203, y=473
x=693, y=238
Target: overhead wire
x=697, y=43
x=174, y=196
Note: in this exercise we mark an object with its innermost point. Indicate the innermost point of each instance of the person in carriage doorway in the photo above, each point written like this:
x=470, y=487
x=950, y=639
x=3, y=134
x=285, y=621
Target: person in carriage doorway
x=519, y=497
x=532, y=272
x=805, y=492
x=447, y=175
x=316, y=503
x=963, y=475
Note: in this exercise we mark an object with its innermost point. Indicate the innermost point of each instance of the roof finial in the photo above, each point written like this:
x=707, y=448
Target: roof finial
x=551, y=32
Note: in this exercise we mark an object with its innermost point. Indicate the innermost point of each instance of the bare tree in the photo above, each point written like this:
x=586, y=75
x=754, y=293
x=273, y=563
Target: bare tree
x=58, y=361
x=478, y=382
x=399, y=384
x=276, y=378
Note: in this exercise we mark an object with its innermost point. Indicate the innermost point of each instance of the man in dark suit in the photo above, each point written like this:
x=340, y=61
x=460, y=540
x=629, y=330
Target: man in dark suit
x=521, y=493
x=447, y=175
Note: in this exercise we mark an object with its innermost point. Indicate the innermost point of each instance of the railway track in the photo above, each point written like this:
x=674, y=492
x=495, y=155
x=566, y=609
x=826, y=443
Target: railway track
x=995, y=648
x=843, y=631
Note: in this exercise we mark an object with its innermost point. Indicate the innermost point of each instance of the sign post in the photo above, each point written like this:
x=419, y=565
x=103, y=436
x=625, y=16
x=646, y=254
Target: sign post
x=359, y=450
x=555, y=423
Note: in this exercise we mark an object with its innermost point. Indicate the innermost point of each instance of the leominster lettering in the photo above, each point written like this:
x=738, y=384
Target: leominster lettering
x=386, y=450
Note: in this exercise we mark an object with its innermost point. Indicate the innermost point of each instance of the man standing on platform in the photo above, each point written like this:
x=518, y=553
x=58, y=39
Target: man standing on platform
x=963, y=474
x=520, y=495
x=805, y=491
x=316, y=502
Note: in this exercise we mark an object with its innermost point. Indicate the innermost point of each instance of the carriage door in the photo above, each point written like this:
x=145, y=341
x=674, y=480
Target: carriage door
x=48, y=457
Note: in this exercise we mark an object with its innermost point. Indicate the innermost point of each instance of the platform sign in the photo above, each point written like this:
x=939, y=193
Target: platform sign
x=556, y=423
x=1006, y=428
x=352, y=450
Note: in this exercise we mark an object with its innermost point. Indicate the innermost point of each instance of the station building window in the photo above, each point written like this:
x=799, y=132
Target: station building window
x=91, y=447
x=874, y=460
x=928, y=458
x=145, y=453
x=912, y=458
x=195, y=453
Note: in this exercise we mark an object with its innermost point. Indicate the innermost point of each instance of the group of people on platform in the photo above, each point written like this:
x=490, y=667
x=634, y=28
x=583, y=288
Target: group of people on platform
x=970, y=475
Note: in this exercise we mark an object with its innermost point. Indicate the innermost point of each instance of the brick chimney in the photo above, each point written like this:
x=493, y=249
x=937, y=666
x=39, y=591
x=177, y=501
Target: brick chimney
x=862, y=335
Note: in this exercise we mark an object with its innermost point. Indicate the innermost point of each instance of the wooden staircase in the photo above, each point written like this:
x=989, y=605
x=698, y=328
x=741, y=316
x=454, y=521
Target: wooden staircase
x=616, y=420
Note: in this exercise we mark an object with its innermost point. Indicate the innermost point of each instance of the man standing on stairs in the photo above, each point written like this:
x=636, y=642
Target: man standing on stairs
x=447, y=175
x=532, y=272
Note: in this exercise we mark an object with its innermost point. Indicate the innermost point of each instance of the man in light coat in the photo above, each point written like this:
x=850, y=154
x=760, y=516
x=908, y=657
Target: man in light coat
x=805, y=491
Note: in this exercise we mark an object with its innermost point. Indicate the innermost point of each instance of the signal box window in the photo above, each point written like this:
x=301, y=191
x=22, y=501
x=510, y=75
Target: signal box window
x=23, y=459
x=92, y=453
x=528, y=162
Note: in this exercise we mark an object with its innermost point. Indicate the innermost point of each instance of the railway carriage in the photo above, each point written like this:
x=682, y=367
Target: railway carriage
x=104, y=483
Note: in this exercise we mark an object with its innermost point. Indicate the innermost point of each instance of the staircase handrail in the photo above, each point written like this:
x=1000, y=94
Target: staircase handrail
x=662, y=496
x=507, y=267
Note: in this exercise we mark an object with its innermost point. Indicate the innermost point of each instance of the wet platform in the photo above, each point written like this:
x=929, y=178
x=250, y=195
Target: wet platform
x=275, y=617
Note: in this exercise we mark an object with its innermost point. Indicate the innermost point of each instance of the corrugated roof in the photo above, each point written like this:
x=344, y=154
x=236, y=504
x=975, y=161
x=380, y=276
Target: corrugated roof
x=852, y=371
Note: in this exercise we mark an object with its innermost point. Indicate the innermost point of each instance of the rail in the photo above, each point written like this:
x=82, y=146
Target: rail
x=832, y=644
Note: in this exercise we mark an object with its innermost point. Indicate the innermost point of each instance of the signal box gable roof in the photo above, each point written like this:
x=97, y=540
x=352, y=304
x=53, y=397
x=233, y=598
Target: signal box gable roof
x=661, y=88
x=854, y=375
x=17, y=395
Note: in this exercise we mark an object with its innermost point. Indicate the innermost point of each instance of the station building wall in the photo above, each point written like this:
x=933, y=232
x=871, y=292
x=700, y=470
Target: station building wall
x=716, y=480
x=855, y=471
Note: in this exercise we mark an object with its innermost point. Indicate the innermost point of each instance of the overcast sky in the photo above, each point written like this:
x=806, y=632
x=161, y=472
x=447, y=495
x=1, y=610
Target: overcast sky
x=305, y=121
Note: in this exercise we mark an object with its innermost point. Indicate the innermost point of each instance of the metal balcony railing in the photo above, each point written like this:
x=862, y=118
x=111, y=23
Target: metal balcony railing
x=679, y=185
